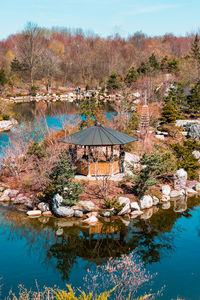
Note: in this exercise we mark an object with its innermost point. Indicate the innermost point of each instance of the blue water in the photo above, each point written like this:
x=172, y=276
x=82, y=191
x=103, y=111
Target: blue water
x=31, y=250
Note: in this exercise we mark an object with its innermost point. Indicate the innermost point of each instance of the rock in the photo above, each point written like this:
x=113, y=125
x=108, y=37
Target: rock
x=134, y=206
x=7, y=124
x=197, y=187
x=21, y=199
x=136, y=213
x=91, y=221
x=87, y=206
x=91, y=214
x=156, y=201
x=180, y=179
x=5, y=196
x=196, y=154
x=166, y=205
x=13, y=193
x=29, y=204
x=165, y=198
x=59, y=210
x=47, y=213
x=177, y=194
x=190, y=191
x=146, y=202
x=43, y=206
x=106, y=214
x=34, y=213
x=124, y=200
x=160, y=137
x=78, y=213
x=147, y=214
x=166, y=189
x=125, y=210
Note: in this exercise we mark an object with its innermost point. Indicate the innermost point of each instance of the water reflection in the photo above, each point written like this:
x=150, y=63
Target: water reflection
x=61, y=242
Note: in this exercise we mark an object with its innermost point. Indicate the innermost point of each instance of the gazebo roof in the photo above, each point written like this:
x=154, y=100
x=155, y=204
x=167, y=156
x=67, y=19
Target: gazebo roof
x=98, y=135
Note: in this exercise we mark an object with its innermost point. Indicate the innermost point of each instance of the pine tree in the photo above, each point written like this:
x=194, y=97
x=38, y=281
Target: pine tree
x=62, y=176
x=131, y=76
x=169, y=113
x=3, y=78
x=195, y=52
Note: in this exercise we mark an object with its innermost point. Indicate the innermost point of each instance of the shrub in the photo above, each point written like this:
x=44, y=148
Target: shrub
x=169, y=113
x=61, y=177
x=6, y=117
x=113, y=203
x=33, y=90
x=37, y=149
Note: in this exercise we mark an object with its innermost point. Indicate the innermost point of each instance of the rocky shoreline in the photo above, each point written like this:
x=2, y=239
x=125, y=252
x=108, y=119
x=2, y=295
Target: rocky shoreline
x=6, y=125
x=90, y=214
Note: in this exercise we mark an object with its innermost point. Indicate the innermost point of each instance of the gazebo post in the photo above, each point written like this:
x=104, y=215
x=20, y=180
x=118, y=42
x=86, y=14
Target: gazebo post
x=85, y=150
x=106, y=153
x=112, y=160
x=89, y=175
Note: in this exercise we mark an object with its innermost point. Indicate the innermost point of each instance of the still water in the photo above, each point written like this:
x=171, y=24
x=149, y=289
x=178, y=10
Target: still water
x=54, y=252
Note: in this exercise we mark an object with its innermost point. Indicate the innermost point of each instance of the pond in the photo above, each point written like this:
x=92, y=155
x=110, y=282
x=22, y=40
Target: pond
x=55, y=252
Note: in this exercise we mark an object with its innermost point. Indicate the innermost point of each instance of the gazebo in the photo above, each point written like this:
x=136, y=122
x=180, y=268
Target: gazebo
x=92, y=162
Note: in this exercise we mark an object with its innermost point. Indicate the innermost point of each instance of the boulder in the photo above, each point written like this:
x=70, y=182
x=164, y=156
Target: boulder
x=190, y=191
x=47, y=213
x=91, y=214
x=87, y=206
x=13, y=193
x=166, y=205
x=91, y=221
x=134, y=206
x=160, y=137
x=156, y=201
x=166, y=189
x=125, y=210
x=196, y=154
x=180, y=179
x=177, y=194
x=5, y=196
x=43, y=206
x=33, y=213
x=124, y=200
x=78, y=213
x=197, y=187
x=59, y=210
x=21, y=199
x=106, y=214
x=146, y=202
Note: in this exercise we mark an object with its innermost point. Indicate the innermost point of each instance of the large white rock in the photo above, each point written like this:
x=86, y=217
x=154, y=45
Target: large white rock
x=166, y=189
x=32, y=213
x=5, y=196
x=7, y=125
x=190, y=191
x=86, y=205
x=59, y=210
x=146, y=202
x=13, y=193
x=125, y=210
x=180, y=179
x=43, y=206
x=124, y=200
x=134, y=206
x=177, y=194
x=78, y=213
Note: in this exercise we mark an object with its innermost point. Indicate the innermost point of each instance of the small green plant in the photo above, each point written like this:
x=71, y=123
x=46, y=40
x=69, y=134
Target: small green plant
x=33, y=91
x=37, y=149
x=113, y=203
x=6, y=117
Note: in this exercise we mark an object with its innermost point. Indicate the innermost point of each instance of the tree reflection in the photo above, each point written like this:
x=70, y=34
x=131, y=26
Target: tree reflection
x=150, y=239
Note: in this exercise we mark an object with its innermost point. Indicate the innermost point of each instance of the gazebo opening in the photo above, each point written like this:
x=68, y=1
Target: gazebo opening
x=98, y=157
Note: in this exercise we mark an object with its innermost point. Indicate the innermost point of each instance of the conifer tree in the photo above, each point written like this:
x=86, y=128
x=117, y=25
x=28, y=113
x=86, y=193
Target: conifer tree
x=195, y=52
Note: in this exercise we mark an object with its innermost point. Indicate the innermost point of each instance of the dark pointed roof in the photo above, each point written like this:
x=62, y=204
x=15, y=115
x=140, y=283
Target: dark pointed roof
x=98, y=135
